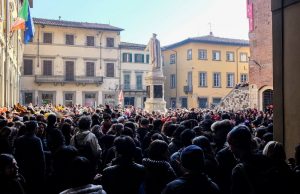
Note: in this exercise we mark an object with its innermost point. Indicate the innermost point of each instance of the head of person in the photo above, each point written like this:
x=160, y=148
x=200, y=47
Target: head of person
x=130, y=124
x=8, y=166
x=51, y=119
x=157, y=124
x=81, y=172
x=125, y=147
x=156, y=136
x=85, y=123
x=192, y=159
x=158, y=150
x=220, y=130
x=145, y=122
x=240, y=141
x=30, y=127
x=187, y=136
x=169, y=129
x=203, y=142
x=275, y=151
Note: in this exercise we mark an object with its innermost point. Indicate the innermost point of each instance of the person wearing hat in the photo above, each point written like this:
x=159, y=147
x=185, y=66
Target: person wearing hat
x=194, y=180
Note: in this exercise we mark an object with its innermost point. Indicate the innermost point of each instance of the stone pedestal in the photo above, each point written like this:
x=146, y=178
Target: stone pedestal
x=155, y=91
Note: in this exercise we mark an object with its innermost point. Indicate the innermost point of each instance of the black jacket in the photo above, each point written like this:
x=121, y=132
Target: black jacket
x=195, y=183
x=158, y=175
x=125, y=177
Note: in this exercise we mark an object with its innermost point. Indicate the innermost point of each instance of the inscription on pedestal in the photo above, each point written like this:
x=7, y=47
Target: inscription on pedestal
x=158, y=93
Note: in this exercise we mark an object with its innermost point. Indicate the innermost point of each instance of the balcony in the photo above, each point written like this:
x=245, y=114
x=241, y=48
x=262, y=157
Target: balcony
x=188, y=89
x=126, y=87
x=60, y=79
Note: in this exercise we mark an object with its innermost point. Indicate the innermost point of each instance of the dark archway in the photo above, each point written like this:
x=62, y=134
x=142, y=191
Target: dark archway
x=267, y=98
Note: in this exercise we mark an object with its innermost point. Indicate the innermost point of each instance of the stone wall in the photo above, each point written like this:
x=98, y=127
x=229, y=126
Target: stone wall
x=237, y=99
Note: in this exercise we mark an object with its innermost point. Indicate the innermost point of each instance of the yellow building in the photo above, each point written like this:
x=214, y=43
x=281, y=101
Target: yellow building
x=71, y=63
x=201, y=71
x=11, y=53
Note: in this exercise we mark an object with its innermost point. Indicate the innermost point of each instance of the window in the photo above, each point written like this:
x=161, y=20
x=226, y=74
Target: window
x=129, y=101
x=90, y=99
x=172, y=58
x=47, y=38
x=69, y=97
x=28, y=98
x=244, y=77
x=147, y=59
x=202, y=54
x=230, y=56
x=90, y=69
x=110, y=70
x=47, y=98
x=47, y=67
x=189, y=54
x=217, y=80
x=202, y=103
x=216, y=101
x=203, y=79
x=138, y=58
x=69, y=39
x=216, y=56
x=172, y=102
x=28, y=66
x=69, y=71
x=127, y=81
x=110, y=42
x=184, y=103
x=90, y=41
x=230, y=80
x=139, y=82
x=127, y=57
x=243, y=57
x=172, y=81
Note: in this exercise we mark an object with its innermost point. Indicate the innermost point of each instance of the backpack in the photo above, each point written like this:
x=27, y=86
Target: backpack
x=265, y=181
x=85, y=150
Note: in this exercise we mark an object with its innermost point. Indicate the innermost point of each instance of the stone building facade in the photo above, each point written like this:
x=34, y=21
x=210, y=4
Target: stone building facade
x=71, y=63
x=201, y=71
x=261, y=62
x=134, y=68
x=11, y=53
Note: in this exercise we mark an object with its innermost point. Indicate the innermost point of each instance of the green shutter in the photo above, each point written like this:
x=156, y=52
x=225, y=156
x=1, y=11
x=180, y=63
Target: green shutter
x=130, y=57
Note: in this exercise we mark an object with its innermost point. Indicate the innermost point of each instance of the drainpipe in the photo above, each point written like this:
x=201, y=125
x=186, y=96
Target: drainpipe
x=237, y=65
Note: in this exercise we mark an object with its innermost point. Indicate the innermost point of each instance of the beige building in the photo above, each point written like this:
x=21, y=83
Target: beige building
x=71, y=63
x=201, y=71
x=11, y=53
x=134, y=67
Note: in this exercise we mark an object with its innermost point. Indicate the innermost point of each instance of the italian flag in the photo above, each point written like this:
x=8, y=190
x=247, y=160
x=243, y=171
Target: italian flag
x=22, y=17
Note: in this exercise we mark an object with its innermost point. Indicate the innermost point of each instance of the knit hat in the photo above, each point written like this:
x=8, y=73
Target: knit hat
x=192, y=158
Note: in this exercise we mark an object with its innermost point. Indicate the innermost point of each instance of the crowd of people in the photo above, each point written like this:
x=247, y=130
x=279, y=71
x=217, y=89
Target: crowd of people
x=47, y=149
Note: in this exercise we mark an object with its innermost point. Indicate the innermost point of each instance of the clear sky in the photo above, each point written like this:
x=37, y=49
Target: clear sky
x=171, y=20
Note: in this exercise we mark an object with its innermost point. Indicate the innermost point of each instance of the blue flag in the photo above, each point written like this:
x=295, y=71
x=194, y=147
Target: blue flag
x=29, y=28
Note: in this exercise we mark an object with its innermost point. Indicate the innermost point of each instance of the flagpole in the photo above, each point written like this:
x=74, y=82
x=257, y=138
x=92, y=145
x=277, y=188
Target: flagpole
x=6, y=55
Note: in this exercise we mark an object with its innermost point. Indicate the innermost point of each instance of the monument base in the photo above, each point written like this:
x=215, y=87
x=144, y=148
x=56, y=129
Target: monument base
x=155, y=91
x=156, y=105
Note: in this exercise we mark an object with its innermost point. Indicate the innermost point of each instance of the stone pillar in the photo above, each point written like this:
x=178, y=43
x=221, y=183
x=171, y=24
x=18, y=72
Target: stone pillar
x=286, y=46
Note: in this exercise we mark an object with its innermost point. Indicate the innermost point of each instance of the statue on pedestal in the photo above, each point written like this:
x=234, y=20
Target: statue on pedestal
x=155, y=52
x=155, y=78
